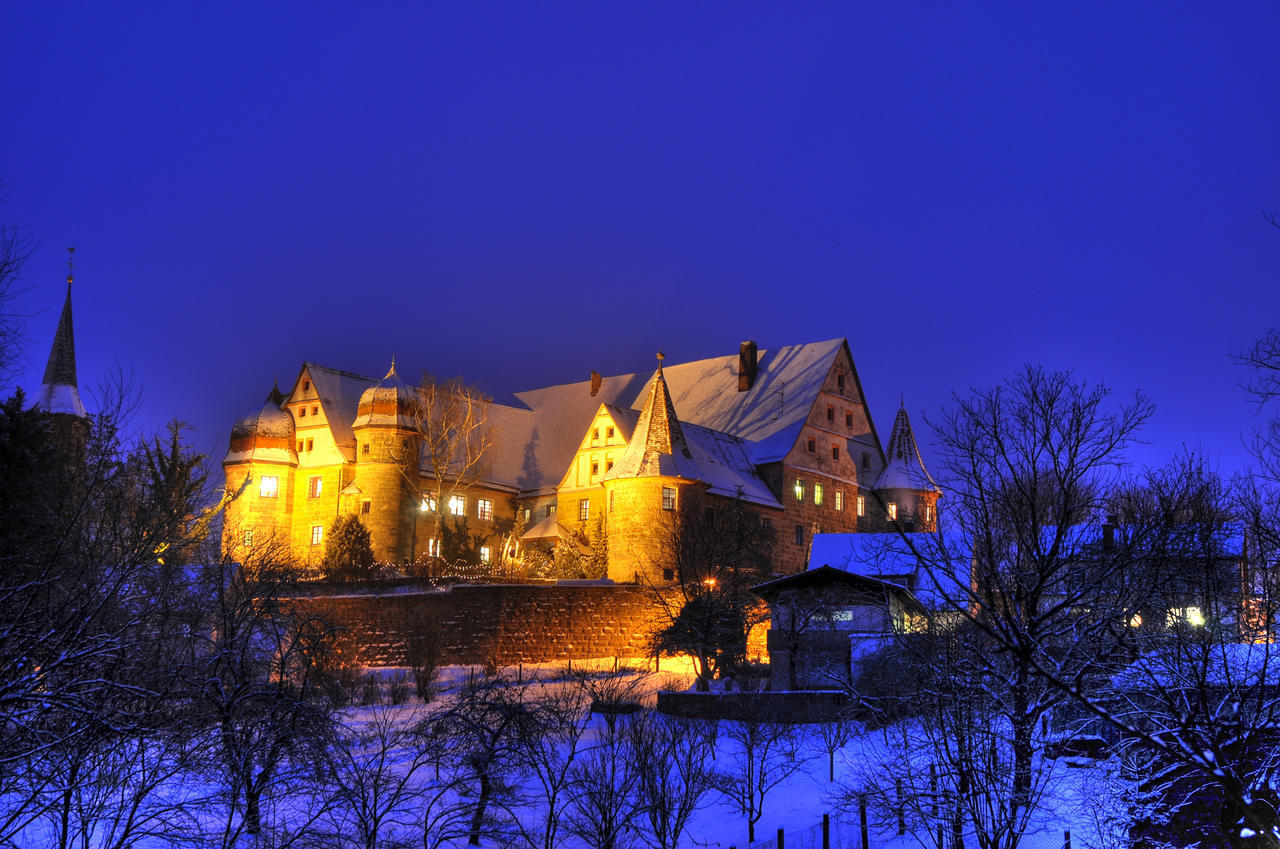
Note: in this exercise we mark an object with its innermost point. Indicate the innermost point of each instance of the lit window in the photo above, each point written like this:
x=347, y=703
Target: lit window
x=584, y=509
x=1185, y=616
x=317, y=534
x=835, y=452
x=928, y=512
x=1134, y=620
x=799, y=535
x=314, y=486
x=862, y=505
x=428, y=504
x=365, y=507
x=799, y=489
x=527, y=514
x=457, y=505
x=310, y=444
x=893, y=510
x=812, y=445
x=248, y=538
x=839, y=500
x=817, y=494
x=484, y=554
x=433, y=547
x=551, y=510
x=668, y=498
x=268, y=486
x=484, y=509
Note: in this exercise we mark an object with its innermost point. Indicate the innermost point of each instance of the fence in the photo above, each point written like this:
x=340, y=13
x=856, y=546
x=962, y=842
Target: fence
x=845, y=831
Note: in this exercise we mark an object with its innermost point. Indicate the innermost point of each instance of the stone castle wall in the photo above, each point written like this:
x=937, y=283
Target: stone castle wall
x=501, y=624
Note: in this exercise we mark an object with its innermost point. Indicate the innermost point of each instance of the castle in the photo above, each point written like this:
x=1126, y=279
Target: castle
x=785, y=433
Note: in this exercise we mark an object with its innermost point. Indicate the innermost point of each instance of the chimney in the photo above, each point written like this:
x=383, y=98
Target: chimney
x=1109, y=533
x=595, y=383
x=747, y=366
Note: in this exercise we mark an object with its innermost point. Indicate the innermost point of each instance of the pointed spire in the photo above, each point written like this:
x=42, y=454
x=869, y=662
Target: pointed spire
x=276, y=396
x=59, y=392
x=657, y=446
x=905, y=468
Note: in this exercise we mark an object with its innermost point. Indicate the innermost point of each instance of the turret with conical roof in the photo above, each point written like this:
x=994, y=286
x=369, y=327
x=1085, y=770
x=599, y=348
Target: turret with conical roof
x=387, y=442
x=905, y=487
x=649, y=488
x=59, y=392
x=258, y=466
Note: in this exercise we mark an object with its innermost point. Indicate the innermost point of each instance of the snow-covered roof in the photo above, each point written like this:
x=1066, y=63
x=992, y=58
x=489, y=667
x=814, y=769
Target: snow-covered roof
x=264, y=434
x=339, y=393
x=548, y=528
x=904, y=469
x=658, y=447
x=58, y=391
x=907, y=559
x=725, y=466
x=1187, y=665
x=387, y=403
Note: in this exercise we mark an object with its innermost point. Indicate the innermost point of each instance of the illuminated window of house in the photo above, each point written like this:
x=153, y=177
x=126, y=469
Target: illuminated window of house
x=668, y=498
x=862, y=505
x=314, y=486
x=799, y=538
x=268, y=486
x=812, y=445
x=928, y=512
x=527, y=515
x=433, y=547
x=893, y=510
x=310, y=444
x=835, y=452
x=457, y=505
x=839, y=500
x=365, y=506
x=1192, y=616
x=817, y=494
x=248, y=538
x=484, y=554
x=551, y=510
x=317, y=534
x=428, y=504
x=799, y=488
x=584, y=509
x=484, y=510
x=866, y=461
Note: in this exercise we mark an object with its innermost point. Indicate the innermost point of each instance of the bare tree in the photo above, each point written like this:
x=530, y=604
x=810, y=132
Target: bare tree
x=15, y=250
x=603, y=808
x=550, y=740
x=764, y=754
x=673, y=766
x=717, y=553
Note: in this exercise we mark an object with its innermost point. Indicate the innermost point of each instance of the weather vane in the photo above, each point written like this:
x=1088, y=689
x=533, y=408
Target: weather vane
x=71, y=266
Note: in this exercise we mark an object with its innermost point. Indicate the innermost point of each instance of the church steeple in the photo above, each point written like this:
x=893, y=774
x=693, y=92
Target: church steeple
x=59, y=392
x=904, y=468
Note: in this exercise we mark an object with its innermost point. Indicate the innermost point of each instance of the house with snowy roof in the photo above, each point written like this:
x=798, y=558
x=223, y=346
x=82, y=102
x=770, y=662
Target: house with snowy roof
x=785, y=432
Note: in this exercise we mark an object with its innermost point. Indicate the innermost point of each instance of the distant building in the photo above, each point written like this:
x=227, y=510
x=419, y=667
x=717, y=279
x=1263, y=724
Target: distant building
x=786, y=432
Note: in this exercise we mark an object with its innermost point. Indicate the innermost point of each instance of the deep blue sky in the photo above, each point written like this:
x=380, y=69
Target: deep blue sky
x=520, y=193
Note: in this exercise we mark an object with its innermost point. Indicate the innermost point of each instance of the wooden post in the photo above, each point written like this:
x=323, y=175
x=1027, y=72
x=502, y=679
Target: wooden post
x=902, y=813
x=862, y=821
x=782, y=840
x=826, y=831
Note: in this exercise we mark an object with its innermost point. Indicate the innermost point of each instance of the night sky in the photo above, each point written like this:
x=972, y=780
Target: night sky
x=520, y=193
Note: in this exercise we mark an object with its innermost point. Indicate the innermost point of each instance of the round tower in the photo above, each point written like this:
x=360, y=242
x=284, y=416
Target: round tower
x=649, y=489
x=259, y=470
x=905, y=488
x=387, y=465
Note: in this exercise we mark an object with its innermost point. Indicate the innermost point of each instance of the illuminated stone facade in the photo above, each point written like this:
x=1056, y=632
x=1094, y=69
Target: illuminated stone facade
x=785, y=432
